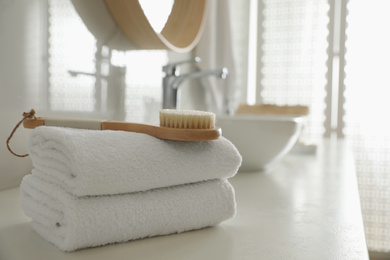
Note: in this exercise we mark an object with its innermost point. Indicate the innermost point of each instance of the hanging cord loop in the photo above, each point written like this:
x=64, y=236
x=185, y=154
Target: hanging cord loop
x=26, y=115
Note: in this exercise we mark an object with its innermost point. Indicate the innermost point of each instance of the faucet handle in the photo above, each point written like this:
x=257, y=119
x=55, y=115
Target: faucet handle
x=171, y=69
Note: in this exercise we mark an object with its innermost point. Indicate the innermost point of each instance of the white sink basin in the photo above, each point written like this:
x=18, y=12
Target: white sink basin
x=261, y=139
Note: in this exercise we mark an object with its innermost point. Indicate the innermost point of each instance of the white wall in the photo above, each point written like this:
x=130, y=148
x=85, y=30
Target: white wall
x=20, y=78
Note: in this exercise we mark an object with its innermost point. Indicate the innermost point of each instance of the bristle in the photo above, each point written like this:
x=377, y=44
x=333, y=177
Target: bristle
x=189, y=119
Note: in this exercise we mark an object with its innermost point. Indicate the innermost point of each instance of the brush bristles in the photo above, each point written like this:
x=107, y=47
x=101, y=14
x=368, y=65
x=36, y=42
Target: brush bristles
x=187, y=119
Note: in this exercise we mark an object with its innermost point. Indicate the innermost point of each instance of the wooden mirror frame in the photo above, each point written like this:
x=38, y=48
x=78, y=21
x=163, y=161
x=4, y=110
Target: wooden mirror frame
x=181, y=32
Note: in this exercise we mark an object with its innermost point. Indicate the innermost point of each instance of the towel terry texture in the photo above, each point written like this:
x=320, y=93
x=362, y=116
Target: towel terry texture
x=90, y=188
x=72, y=222
x=93, y=162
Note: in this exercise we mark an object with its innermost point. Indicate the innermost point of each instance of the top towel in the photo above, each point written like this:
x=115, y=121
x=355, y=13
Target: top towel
x=94, y=162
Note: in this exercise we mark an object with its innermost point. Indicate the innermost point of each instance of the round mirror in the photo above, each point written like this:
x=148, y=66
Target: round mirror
x=100, y=23
x=157, y=12
x=144, y=24
x=181, y=32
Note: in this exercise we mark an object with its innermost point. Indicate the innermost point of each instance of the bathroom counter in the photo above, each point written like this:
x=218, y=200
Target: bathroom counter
x=306, y=208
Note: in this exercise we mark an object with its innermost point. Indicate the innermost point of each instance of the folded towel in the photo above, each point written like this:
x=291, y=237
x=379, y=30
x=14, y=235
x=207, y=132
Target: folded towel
x=90, y=162
x=73, y=223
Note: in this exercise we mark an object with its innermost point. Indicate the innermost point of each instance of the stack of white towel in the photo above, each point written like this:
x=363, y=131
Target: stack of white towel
x=90, y=188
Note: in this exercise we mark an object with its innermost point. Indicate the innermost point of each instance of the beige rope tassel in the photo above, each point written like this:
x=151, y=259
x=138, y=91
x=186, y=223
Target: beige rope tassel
x=26, y=115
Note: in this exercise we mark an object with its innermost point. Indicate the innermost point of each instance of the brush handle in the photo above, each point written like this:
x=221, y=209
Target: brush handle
x=169, y=133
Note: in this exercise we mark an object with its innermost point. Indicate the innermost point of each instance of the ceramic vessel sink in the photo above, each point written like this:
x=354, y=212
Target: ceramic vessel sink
x=261, y=139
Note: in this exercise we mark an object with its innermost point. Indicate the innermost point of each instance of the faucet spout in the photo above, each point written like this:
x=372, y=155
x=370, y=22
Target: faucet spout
x=220, y=73
x=173, y=80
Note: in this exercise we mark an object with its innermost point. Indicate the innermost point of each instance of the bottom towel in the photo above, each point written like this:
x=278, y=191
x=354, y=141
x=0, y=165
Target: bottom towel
x=73, y=223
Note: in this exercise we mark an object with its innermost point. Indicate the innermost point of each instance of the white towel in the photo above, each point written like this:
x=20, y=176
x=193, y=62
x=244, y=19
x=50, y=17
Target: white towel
x=93, y=162
x=73, y=223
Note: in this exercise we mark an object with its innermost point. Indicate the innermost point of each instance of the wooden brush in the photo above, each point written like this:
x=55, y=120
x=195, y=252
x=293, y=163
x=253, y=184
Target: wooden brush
x=179, y=125
x=269, y=109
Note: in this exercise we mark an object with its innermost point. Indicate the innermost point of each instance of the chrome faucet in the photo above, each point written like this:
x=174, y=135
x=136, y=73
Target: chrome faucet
x=173, y=80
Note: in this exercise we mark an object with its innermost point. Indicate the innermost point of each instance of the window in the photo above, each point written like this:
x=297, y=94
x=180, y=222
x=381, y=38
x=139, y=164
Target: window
x=82, y=73
x=333, y=57
x=71, y=48
x=292, y=58
x=367, y=105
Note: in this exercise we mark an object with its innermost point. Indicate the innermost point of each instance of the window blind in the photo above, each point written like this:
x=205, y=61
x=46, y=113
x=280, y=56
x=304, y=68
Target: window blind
x=292, y=58
x=367, y=82
x=71, y=47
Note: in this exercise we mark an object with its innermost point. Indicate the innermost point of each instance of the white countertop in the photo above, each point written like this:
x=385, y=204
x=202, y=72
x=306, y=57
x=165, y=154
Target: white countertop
x=306, y=208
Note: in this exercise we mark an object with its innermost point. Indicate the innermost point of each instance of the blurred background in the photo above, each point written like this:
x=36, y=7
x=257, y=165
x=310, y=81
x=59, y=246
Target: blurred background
x=330, y=55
